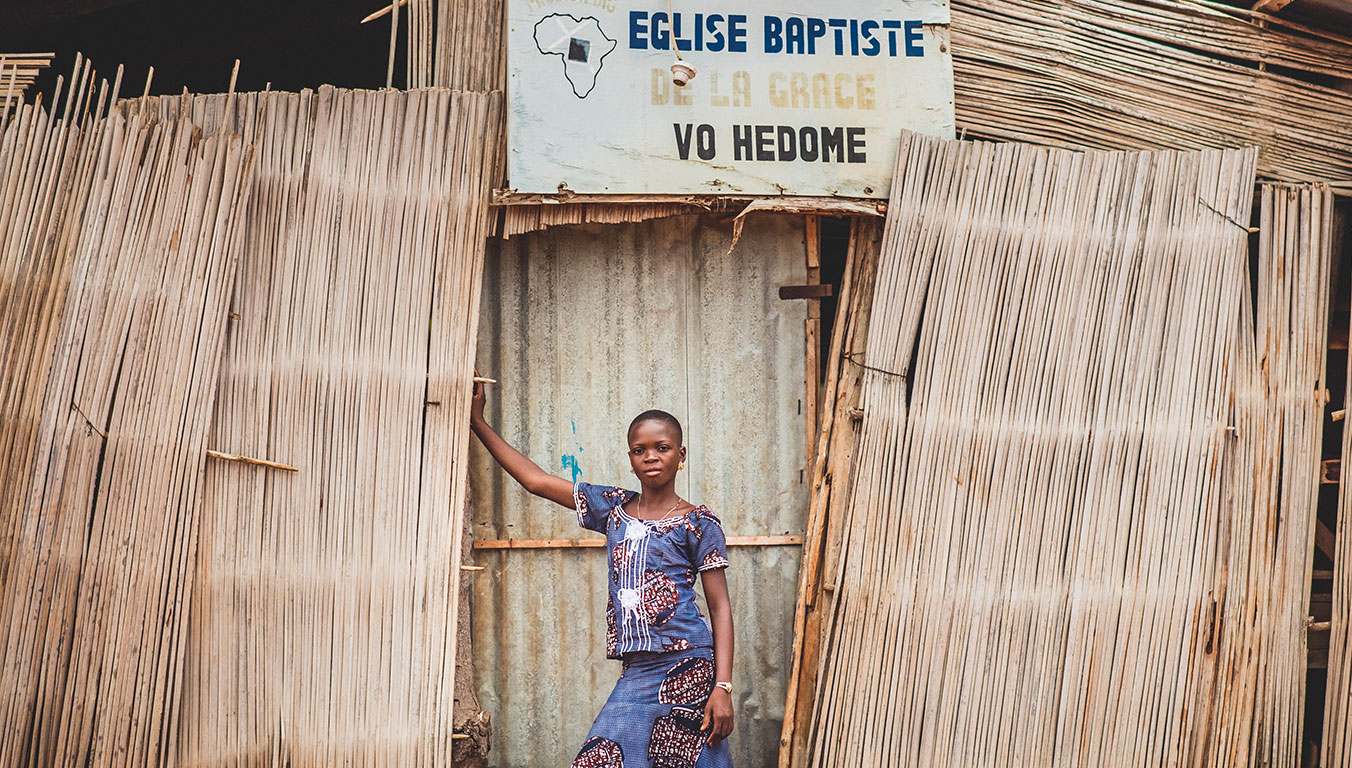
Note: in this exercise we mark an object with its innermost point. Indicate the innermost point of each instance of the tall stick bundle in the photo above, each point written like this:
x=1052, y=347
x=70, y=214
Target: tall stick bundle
x=1155, y=74
x=119, y=248
x=1045, y=479
x=324, y=632
x=17, y=73
x=468, y=49
x=1336, y=749
x=1294, y=267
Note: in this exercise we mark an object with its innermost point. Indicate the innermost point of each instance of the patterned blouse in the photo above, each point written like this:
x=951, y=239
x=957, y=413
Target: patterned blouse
x=652, y=571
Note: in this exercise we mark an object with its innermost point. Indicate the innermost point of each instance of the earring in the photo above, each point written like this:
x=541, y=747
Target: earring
x=680, y=466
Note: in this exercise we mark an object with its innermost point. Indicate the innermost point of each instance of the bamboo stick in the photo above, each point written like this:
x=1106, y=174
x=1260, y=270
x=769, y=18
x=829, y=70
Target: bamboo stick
x=383, y=10
x=250, y=460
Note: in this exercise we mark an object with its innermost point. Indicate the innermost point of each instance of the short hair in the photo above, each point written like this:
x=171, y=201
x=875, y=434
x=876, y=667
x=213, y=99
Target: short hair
x=663, y=416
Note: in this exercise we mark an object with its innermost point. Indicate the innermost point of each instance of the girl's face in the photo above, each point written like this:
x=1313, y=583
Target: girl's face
x=654, y=452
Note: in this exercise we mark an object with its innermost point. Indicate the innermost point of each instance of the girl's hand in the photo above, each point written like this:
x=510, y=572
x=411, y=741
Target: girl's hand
x=718, y=716
x=522, y=469
x=476, y=403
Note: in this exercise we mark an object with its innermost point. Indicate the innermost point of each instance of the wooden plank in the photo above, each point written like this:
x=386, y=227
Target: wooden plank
x=802, y=204
x=812, y=242
x=733, y=541
x=810, y=291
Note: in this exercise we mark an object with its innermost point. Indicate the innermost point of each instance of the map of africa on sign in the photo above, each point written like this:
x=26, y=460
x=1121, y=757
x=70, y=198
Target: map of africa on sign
x=580, y=43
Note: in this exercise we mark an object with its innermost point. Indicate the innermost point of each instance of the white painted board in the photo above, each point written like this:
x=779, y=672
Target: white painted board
x=789, y=97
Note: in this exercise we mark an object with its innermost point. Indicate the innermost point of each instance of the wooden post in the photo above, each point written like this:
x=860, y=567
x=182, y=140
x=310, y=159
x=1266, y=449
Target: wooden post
x=832, y=449
x=812, y=334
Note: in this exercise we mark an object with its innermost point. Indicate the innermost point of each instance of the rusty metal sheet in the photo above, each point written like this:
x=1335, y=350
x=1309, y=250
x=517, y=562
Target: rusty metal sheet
x=585, y=327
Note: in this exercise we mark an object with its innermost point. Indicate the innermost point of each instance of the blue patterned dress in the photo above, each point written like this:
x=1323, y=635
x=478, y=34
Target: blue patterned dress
x=652, y=718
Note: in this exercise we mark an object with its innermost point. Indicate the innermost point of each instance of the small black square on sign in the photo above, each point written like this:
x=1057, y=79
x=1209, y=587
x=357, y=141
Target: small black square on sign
x=578, y=49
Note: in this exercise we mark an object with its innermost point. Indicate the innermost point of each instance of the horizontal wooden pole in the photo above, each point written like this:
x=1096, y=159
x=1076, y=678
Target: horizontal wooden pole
x=251, y=460
x=706, y=201
x=733, y=541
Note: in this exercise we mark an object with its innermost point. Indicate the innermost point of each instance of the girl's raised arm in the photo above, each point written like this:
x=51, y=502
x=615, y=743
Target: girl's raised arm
x=522, y=469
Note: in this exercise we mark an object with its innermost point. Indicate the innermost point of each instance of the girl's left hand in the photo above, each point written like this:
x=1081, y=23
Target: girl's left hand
x=477, y=400
x=718, y=716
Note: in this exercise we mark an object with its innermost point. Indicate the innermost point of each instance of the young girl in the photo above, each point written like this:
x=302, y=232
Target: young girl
x=672, y=706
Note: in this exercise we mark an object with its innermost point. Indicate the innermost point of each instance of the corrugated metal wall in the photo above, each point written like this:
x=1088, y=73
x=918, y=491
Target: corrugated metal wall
x=586, y=327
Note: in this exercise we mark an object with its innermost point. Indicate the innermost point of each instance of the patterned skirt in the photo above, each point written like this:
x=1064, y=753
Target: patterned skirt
x=653, y=716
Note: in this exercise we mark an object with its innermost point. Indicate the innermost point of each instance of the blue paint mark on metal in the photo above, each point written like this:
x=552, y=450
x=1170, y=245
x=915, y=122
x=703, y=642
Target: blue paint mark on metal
x=570, y=464
x=569, y=461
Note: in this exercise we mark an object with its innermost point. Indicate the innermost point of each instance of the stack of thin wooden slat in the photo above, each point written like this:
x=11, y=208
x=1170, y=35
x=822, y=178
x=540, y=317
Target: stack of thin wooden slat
x=1255, y=693
x=469, y=46
x=118, y=245
x=1291, y=331
x=324, y=629
x=1336, y=751
x=1155, y=74
x=1029, y=558
x=17, y=72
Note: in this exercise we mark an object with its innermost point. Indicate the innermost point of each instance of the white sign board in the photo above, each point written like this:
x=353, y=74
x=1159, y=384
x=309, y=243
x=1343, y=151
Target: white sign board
x=789, y=97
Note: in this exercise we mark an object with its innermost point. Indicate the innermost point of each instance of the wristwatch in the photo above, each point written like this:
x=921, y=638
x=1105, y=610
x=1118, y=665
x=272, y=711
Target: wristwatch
x=725, y=686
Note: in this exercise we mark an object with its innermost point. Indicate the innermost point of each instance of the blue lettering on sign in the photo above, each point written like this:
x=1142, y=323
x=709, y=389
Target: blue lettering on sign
x=638, y=30
x=913, y=39
x=700, y=32
x=737, y=33
x=790, y=35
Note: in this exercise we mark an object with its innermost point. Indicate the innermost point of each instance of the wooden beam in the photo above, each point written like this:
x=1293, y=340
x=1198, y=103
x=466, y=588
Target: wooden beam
x=809, y=291
x=733, y=541
x=1324, y=540
x=1271, y=6
x=836, y=206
